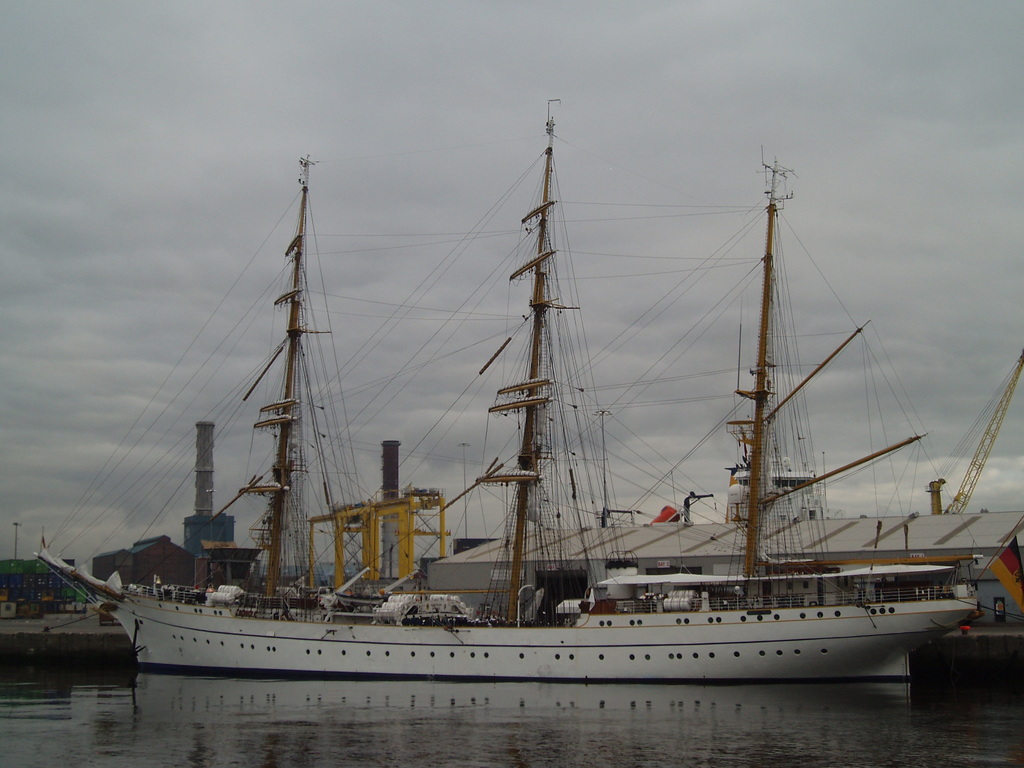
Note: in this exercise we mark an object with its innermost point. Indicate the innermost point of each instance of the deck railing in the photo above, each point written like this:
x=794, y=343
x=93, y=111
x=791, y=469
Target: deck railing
x=655, y=604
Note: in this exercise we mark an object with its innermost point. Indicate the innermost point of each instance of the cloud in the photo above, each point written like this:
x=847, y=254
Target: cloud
x=148, y=192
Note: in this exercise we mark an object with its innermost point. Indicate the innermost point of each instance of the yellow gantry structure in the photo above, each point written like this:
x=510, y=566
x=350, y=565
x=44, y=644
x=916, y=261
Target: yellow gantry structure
x=988, y=439
x=417, y=513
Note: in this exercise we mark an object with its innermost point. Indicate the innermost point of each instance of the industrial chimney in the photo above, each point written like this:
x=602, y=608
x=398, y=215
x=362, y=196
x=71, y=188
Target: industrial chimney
x=204, y=468
x=389, y=527
x=389, y=486
x=203, y=526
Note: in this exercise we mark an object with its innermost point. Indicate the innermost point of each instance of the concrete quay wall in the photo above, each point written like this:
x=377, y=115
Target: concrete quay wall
x=983, y=654
x=58, y=640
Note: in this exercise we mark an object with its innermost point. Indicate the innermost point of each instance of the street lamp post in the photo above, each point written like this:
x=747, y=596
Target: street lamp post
x=519, y=601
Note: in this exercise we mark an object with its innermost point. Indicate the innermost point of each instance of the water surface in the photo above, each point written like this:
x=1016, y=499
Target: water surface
x=122, y=719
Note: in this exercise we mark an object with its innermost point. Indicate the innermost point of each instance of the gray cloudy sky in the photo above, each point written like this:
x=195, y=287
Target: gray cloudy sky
x=150, y=153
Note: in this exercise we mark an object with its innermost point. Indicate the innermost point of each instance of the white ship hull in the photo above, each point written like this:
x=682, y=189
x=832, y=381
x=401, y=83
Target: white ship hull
x=791, y=644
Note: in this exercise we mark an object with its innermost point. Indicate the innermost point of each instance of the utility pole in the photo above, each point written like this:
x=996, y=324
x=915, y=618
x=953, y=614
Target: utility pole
x=465, y=504
x=16, y=526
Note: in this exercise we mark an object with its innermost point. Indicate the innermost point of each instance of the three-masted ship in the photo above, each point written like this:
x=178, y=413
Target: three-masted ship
x=769, y=621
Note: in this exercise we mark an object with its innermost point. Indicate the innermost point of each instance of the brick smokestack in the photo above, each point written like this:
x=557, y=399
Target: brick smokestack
x=390, y=468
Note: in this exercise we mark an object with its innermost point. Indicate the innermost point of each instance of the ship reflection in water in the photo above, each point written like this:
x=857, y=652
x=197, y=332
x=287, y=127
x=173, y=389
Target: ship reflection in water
x=165, y=720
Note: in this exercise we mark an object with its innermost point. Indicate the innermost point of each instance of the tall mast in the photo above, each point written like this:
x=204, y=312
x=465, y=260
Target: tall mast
x=529, y=453
x=283, y=414
x=762, y=393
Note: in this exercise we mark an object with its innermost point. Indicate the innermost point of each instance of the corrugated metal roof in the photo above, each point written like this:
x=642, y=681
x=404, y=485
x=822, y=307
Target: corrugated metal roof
x=978, y=533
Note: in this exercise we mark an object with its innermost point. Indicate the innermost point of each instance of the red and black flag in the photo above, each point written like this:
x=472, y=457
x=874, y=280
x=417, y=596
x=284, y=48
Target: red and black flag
x=1008, y=568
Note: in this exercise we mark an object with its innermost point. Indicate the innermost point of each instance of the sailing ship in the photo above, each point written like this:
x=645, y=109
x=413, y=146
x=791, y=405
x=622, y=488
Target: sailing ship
x=775, y=619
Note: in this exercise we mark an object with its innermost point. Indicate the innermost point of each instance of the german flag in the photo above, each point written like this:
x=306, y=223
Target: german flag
x=1008, y=568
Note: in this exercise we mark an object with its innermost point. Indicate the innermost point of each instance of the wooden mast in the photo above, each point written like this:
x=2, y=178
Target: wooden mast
x=282, y=414
x=528, y=463
x=761, y=393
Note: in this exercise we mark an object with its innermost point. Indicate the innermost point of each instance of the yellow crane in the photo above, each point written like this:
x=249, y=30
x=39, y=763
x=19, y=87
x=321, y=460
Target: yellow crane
x=988, y=439
x=417, y=512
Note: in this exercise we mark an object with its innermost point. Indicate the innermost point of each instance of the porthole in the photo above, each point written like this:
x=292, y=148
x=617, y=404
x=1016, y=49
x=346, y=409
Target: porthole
x=308, y=651
x=718, y=619
x=452, y=654
x=736, y=654
x=821, y=615
x=431, y=654
x=671, y=655
x=892, y=610
x=572, y=657
x=824, y=650
x=487, y=655
x=686, y=621
x=803, y=615
x=778, y=653
x=367, y=653
x=522, y=656
x=776, y=617
x=696, y=655
x=647, y=657
x=839, y=613
x=679, y=621
x=412, y=654
x=558, y=656
x=632, y=657
x=472, y=655
x=632, y=623
x=639, y=622
x=760, y=653
x=710, y=620
x=796, y=651
x=760, y=617
x=711, y=655
x=600, y=656
x=387, y=653
x=743, y=618
x=320, y=653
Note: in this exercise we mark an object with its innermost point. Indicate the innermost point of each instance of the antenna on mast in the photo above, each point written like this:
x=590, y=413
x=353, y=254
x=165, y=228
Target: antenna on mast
x=775, y=177
x=551, y=120
x=304, y=164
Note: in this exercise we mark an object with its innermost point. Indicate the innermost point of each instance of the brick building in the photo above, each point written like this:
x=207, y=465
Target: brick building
x=147, y=559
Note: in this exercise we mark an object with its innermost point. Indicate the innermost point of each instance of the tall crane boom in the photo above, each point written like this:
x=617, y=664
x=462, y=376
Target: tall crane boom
x=959, y=502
